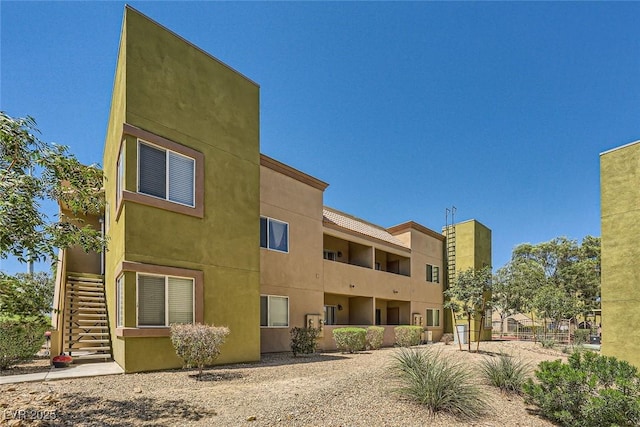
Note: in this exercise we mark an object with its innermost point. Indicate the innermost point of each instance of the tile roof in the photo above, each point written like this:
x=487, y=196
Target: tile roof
x=351, y=223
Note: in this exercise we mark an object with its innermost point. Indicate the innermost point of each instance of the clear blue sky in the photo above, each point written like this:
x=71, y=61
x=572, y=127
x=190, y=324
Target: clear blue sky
x=500, y=109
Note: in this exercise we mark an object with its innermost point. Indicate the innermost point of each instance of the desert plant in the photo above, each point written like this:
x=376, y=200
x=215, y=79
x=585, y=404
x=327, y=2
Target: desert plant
x=303, y=340
x=375, y=337
x=350, y=340
x=406, y=336
x=505, y=372
x=197, y=344
x=590, y=390
x=20, y=339
x=548, y=343
x=447, y=338
x=581, y=336
x=438, y=383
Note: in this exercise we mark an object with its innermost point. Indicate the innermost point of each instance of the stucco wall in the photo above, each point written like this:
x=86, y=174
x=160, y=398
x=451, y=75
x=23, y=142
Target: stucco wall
x=473, y=250
x=297, y=274
x=178, y=92
x=620, y=216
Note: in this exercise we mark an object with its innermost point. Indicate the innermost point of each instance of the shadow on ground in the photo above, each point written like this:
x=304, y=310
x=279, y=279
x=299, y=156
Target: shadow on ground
x=97, y=411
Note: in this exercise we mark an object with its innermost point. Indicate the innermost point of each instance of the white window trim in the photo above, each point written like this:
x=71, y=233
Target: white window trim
x=166, y=299
x=120, y=172
x=269, y=311
x=120, y=301
x=288, y=241
x=426, y=320
x=166, y=173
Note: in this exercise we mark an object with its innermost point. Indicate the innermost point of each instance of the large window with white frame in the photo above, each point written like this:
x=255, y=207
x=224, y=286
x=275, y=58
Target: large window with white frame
x=433, y=317
x=274, y=234
x=166, y=174
x=164, y=300
x=274, y=311
x=433, y=273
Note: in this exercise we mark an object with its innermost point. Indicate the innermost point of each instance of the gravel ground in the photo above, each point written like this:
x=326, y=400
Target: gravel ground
x=328, y=389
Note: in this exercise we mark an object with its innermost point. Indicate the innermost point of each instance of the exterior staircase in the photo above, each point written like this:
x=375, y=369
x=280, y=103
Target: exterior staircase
x=86, y=324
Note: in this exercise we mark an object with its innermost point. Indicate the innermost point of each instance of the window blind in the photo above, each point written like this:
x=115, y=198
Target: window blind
x=181, y=179
x=180, y=300
x=279, y=311
x=151, y=300
x=152, y=171
x=120, y=301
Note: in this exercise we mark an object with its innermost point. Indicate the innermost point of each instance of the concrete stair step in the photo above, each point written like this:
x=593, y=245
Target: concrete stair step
x=90, y=349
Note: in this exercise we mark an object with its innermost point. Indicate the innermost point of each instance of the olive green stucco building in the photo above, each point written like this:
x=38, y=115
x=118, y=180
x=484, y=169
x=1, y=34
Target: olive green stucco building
x=174, y=110
x=620, y=216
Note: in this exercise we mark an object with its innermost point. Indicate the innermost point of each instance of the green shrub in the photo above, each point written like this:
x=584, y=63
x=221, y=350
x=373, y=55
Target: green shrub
x=590, y=391
x=350, y=340
x=197, y=344
x=581, y=336
x=505, y=372
x=20, y=339
x=406, y=336
x=548, y=343
x=438, y=383
x=375, y=337
x=303, y=340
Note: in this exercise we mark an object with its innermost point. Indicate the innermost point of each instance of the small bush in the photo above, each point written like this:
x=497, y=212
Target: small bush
x=590, y=391
x=197, y=344
x=447, y=338
x=581, y=336
x=505, y=372
x=303, y=340
x=350, y=340
x=375, y=337
x=438, y=383
x=548, y=343
x=406, y=336
x=20, y=339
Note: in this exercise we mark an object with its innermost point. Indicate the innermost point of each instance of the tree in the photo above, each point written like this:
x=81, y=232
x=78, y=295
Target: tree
x=32, y=171
x=468, y=295
x=570, y=281
x=514, y=287
x=26, y=295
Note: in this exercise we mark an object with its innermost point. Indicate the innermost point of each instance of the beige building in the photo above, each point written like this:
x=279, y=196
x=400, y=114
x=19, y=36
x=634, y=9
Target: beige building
x=320, y=266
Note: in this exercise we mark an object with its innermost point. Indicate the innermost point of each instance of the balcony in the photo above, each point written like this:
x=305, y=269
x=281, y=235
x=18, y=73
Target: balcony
x=346, y=279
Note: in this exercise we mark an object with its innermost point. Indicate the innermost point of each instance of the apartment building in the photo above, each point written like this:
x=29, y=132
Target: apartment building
x=204, y=228
x=620, y=219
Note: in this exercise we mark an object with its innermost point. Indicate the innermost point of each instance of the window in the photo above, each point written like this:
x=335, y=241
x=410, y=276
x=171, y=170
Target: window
x=330, y=317
x=166, y=174
x=488, y=319
x=120, y=177
x=433, y=317
x=274, y=311
x=274, y=234
x=330, y=255
x=120, y=302
x=163, y=300
x=433, y=273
